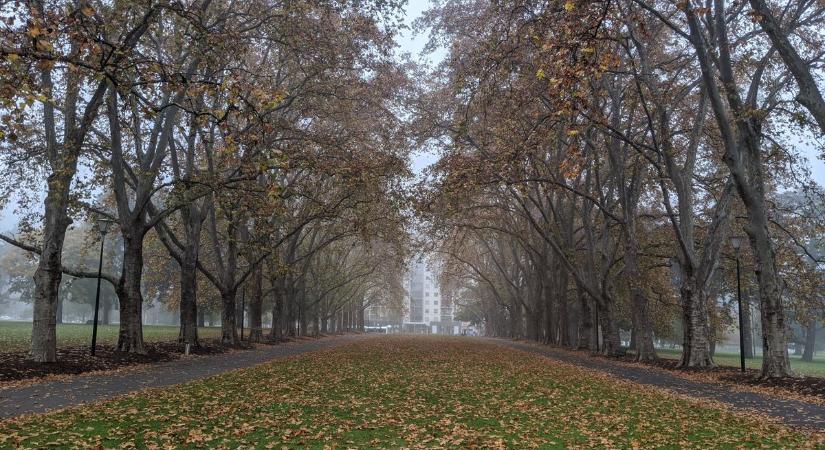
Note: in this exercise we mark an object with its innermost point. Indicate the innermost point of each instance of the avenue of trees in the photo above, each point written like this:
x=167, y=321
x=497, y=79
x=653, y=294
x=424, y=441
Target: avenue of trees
x=598, y=156
x=250, y=155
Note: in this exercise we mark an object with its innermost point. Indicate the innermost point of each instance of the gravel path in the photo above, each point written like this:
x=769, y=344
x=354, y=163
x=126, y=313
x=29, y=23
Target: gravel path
x=792, y=412
x=52, y=395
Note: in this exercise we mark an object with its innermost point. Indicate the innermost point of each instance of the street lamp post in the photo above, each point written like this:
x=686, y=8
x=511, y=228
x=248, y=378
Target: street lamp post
x=103, y=227
x=736, y=242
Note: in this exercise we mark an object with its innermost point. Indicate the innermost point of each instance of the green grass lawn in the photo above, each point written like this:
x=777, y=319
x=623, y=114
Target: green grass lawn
x=15, y=336
x=811, y=369
x=391, y=392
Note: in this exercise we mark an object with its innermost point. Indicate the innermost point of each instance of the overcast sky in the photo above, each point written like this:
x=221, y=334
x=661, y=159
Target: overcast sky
x=414, y=44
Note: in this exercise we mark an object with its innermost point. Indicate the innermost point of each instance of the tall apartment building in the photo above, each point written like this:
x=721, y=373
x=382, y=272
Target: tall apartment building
x=425, y=310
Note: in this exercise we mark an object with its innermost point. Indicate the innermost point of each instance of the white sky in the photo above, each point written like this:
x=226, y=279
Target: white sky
x=414, y=44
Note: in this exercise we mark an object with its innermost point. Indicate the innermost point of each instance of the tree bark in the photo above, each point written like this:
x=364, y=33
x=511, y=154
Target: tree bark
x=189, y=314
x=316, y=321
x=775, y=360
x=229, y=330
x=610, y=328
x=276, y=333
x=563, y=311
x=192, y=218
x=240, y=305
x=696, y=339
x=303, y=321
x=49, y=271
x=747, y=324
x=130, y=336
x=256, y=307
x=549, y=301
x=106, y=315
x=587, y=337
x=291, y=314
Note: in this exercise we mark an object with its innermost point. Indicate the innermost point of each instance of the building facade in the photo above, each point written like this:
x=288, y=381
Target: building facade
x=425, y=311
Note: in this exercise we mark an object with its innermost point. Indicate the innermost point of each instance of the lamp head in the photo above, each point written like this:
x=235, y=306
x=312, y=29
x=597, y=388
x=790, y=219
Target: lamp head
x=104, y=225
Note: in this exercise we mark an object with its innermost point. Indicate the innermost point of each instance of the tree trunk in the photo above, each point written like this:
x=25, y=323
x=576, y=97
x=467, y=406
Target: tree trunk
x=594, y=330
x=189, y=314
x=291, y=317
x=548, y=311
x=49, y=272
x=810, y=342
x=229, y=331
x=563, y=311
x=564, y=335
x=130, y=337
x=587, y=339
x=712, y=335
x=256, y=304
x=240, y=305
x=539, y=316
x=59, y=315
x=747, y=324
x=276, y=333
x=610, y=329
x=775, y=360
x=696, y=339
x=106, y=310
x=303, y=320
x=645, y=350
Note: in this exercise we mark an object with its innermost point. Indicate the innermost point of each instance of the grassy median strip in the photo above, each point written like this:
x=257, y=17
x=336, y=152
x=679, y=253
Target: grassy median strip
x=391, y=392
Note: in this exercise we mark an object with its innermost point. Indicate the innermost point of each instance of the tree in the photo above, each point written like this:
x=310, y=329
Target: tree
x=54, y=48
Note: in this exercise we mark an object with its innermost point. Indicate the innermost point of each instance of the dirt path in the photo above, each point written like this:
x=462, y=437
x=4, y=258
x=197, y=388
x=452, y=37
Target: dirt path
x=53, y=395
x=792, y=412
